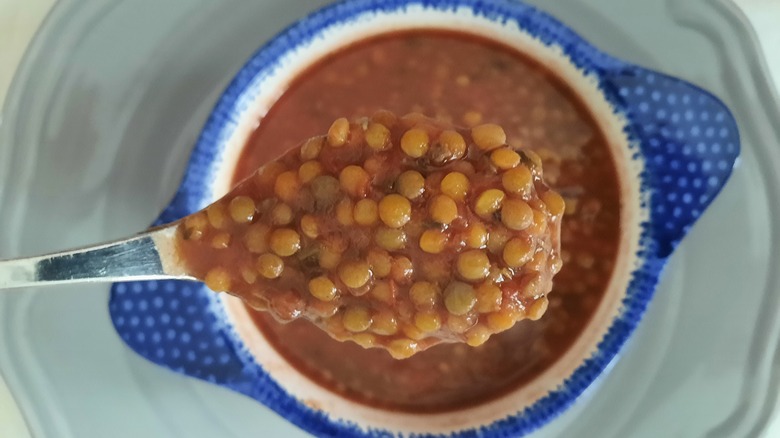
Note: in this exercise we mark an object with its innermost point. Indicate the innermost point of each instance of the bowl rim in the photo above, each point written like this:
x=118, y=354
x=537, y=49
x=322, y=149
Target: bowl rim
x=654, y=251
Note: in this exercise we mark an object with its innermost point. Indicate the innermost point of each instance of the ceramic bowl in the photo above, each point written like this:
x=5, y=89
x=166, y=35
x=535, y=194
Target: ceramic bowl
x=674, y=145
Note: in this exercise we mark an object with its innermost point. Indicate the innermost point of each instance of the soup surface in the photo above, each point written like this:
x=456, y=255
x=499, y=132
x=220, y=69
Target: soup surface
x=464, y=80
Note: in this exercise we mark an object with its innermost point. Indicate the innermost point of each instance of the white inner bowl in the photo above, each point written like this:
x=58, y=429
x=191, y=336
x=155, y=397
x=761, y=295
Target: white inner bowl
x=263, y=92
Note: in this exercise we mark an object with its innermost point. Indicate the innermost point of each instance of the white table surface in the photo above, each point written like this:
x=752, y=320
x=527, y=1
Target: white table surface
x=20, y=19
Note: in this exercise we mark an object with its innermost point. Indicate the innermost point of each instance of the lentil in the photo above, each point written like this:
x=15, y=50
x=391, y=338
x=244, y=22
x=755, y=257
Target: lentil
x=410, y=184
x=455, y=185
x=415, y=142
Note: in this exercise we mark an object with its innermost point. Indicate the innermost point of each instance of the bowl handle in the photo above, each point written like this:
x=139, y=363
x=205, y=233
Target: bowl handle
x=689, y=141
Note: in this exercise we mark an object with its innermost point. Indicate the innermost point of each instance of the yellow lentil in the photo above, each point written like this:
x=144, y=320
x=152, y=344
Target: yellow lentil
x=554, y=202
x=489, y=298
x=500, y=321
x=281, y=214
x=378, y=136
x=218, y=280
x=443, y=209
x=309, y=170
x=366, y=212
x=402, y=269
x=216, y=215
x=424, y=295
x=477, y=235
x=433, y=241
x=473, y=265
x=322, y=288
x=505, y=158
x=390, y=239
x=460, y=323
x=415, y=142
x=381, y=262
x=450, y=146
x=517, y=181
x=285, y=242
x=516, y=214
x=427, y=321
x=459, y=298
x=518, y=252
x=385, y=324
x=402, y=348
x=355, y=274
x=344, y=212
x=410, y=184
x=537, y=309
x=383, y=292
x=395, y=210
x=477, y=336
x=220, y=240
x=270, y=266
x=309, y=226
x=338, y=132
x=355, y=181
x=488, y=202
x=356, y=319
x=256, y=238
x=455, y=185
x=287, y=186
x=365, y=340
x=310, y=150
x=488, y=136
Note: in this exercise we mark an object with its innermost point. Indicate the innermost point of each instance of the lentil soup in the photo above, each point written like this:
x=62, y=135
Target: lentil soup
x=466, y=80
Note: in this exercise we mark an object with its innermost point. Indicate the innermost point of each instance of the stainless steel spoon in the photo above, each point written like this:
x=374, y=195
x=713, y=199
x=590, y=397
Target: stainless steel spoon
x=146, y=256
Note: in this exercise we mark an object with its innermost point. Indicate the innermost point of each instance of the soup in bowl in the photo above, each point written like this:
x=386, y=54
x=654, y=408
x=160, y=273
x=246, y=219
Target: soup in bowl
x=637, y=156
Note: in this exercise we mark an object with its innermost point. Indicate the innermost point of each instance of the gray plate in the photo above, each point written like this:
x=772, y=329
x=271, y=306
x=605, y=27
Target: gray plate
x=95, y=134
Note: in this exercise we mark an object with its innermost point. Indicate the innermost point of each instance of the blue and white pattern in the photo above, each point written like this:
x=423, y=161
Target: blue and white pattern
x=686, y=138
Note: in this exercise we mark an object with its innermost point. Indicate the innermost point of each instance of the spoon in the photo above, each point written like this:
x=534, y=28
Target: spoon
x=397, y=233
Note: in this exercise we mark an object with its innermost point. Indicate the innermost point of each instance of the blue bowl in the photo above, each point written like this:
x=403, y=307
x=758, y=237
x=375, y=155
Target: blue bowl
x=675, y=145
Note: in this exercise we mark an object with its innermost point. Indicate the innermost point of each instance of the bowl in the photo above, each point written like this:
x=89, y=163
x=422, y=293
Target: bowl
x=674, y=145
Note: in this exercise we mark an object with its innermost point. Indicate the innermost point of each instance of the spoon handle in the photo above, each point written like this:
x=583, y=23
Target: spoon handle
x=145, y=256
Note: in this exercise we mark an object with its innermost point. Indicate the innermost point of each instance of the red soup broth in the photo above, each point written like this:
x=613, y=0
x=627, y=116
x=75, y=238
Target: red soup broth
x=465, y=80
